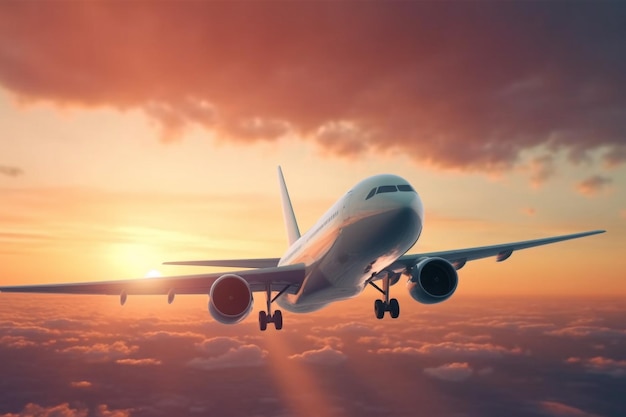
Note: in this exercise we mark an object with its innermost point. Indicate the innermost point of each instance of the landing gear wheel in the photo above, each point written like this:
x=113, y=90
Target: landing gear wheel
x=386, y=304
x=263, y=320
x=394, y=308
x=278, y=319
x=379, y=309
x=266, y=316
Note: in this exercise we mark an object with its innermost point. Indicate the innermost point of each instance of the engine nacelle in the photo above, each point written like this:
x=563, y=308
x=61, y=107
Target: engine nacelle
x=230, y=299
x=432, y=281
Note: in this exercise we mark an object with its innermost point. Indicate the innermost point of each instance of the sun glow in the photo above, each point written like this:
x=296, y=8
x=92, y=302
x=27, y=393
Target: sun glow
x=153, y=273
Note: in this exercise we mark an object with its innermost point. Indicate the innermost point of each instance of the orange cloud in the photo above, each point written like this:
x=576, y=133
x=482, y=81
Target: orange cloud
x=35, y=410
x=593, y=186
x=139, y=362
x=10, y=171
x=166, y=335
x=460, y=337
x=243, y=356
x=481, y=350
x=458, y=88
x=332, y=341
x=102, y=352
x=601, y=365
x=81, y=384
x=586, y=331
x=16, y=341
x=323, y=356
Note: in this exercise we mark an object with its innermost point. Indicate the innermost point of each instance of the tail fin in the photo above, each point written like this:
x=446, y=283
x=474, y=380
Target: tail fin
x=293, y=233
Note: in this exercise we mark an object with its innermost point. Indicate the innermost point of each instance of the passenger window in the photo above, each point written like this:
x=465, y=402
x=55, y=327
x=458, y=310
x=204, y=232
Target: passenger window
x=371, y=194
x=387, y=189
x=404, y=187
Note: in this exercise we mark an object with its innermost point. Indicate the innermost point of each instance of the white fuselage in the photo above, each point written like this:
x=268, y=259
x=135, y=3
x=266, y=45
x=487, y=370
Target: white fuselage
x=362, y=234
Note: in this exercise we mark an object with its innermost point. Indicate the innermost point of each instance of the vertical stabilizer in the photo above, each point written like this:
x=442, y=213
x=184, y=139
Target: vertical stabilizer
x=293, y=233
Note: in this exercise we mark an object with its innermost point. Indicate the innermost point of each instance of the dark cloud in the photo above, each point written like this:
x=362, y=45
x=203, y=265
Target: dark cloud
x=602, y=365
x=456, y=371
x=461, y=86
x=541, y=169
x=558, y=409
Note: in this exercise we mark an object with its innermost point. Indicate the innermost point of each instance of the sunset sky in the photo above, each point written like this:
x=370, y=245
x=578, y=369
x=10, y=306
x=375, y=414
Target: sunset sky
x=133, y=133
x=136, y=134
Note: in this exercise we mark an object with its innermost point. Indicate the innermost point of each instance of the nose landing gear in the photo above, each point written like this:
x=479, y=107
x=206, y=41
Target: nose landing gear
x=393, y=307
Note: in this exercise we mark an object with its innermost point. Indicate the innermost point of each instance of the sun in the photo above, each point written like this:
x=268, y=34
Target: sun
x=153, y=273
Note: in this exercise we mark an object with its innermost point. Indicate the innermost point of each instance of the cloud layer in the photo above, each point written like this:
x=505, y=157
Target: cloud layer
x=456, y=371
x=457, y=86
x=70, y=355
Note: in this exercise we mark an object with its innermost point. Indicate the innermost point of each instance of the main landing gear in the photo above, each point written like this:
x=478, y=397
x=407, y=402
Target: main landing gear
x=386, y=304
x=266, y=317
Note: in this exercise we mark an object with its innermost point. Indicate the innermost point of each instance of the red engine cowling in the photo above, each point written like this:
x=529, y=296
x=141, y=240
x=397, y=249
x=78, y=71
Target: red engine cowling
x=432, y=281
x=230, y=299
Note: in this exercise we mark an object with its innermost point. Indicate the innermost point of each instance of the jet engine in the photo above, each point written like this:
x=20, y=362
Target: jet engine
x=230, y=299
x=432, y=281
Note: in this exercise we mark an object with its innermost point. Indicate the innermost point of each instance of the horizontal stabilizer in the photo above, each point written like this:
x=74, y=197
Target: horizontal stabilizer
x=231, y=263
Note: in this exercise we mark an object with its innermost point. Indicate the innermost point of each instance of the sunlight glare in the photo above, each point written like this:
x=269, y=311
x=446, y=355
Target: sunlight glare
x=153, y=273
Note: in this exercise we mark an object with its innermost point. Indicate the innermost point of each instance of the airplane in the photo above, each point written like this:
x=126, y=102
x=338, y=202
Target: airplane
x=361, y=241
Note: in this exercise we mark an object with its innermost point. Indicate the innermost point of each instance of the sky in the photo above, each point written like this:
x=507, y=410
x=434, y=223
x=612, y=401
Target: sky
x=136, y=134
x=143, y=132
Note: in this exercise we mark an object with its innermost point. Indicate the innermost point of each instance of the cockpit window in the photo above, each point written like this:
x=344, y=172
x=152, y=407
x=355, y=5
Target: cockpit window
x=405, y=187
x=386, y=189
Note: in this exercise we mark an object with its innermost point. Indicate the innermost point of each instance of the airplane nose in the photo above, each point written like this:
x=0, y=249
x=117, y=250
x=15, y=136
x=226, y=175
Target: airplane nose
x=405, y=204
x=404, y=220
x=404, y=215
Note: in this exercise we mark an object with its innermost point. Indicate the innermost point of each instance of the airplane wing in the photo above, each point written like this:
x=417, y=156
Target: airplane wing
x=459, y=257
x=278, y=278
x=232, y=263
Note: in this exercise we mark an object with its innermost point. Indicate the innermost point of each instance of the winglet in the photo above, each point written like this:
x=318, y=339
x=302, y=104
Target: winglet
x=293, y=233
